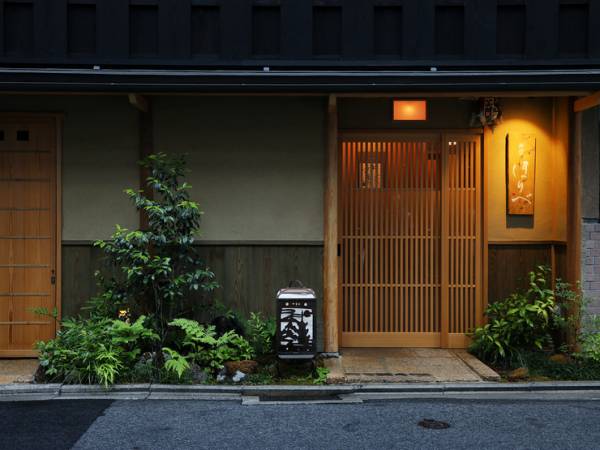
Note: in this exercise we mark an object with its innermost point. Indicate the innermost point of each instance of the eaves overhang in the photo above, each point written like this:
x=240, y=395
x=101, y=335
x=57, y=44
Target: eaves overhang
x=15, y=79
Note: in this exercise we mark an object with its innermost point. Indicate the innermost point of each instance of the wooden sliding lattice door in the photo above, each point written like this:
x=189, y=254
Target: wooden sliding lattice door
x=410, y=220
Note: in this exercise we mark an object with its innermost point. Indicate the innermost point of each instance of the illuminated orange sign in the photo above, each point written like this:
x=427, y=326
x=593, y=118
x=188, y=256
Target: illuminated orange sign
x=410, y=110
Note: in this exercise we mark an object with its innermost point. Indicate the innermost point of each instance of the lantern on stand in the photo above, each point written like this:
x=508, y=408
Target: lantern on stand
x=296, y=325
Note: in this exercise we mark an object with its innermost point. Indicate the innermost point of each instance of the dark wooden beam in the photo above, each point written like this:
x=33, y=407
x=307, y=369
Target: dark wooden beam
x=583, y=103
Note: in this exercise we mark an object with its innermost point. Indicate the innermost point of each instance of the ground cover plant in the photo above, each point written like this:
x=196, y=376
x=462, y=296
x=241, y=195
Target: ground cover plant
x=541, y=333
x=97, y=350
x=139, y=327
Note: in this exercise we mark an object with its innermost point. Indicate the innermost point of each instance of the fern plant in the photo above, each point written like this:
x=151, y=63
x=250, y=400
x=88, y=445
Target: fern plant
x=94, y=350
x=203, y=347
x=261, y=334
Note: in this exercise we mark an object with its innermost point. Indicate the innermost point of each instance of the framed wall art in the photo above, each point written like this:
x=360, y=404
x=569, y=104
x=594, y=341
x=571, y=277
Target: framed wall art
x=520, y=176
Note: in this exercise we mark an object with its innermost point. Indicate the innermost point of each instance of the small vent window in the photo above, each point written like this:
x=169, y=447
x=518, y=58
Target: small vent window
x=450, y=30
x=23, y=135
x=573, y=30
x=18, y=29
x=143, y=30
x=82, y=29
x=266, y=30
x=510, y=30
x=388, y=30
x=205, y=30
x=327, y=30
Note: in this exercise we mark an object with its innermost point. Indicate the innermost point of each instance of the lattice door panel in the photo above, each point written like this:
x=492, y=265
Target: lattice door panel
x=390, y=236
x=464, y=238
x=409, y=210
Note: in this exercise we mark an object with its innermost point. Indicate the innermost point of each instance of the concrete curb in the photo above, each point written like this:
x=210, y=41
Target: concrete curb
x=20, y=392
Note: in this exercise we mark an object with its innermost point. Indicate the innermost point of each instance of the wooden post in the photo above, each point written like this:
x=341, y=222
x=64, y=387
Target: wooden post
x=330, y=251
x=146, y=137
x=444, y=251
x=574, y=209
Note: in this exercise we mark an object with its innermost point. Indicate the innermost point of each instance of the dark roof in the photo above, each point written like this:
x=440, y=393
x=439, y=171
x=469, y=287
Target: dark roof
x=177, y=80
x=305, y=44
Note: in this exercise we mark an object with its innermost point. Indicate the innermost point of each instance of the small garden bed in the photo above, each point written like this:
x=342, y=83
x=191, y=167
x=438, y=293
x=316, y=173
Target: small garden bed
x=548, y=366
x=143, y=327
x=542, y=334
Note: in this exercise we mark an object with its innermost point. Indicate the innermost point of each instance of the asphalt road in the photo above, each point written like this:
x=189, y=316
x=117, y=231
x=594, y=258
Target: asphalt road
x=168, y=424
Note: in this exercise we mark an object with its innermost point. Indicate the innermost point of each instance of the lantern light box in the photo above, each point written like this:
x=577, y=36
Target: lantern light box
x=296, y=324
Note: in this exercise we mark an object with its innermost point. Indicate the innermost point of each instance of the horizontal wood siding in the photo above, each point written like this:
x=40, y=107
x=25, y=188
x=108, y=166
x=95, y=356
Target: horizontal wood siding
x=249, y=275
x=509, y=265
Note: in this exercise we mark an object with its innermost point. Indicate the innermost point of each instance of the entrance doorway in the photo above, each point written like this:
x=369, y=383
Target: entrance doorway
x=28, y=232
x=410, y=235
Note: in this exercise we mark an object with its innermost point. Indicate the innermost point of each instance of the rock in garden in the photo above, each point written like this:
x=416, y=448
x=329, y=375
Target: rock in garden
x=221, y=376
x=238, y=376
x=198, y=375
x=247, y=366
x=560, y=358
x=518, y=374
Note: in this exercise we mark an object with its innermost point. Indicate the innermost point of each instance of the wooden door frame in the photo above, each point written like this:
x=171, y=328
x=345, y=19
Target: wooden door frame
x=56, y=120
x=334, y=141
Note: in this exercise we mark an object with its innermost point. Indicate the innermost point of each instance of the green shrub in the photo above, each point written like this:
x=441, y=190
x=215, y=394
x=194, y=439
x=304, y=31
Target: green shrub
x=321, y=374
x=202, y=346
x=589, y=338
x=518, y=323
x=261, y=334
x=540, y=365
x=94, y=350
x=157, y=269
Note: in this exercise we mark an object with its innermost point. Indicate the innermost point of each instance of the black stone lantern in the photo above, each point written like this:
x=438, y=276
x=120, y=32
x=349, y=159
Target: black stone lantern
x=296, y=325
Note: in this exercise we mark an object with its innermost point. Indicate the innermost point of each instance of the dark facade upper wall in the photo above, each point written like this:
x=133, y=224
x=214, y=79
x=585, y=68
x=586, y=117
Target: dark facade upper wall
x=286, y=33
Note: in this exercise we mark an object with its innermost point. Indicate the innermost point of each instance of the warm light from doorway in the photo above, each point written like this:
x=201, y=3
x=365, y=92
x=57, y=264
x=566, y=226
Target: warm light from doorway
x=410, y=110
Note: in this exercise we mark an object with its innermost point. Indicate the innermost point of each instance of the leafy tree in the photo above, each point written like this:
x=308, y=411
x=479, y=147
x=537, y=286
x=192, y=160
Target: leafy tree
x=158, y=269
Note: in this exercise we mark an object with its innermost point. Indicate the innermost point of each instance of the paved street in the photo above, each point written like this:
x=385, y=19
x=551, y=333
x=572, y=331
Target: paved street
x=156, y=424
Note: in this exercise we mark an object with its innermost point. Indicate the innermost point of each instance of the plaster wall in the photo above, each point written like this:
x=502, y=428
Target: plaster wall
x=257, y=163
x=99, y=154
x=539, y=116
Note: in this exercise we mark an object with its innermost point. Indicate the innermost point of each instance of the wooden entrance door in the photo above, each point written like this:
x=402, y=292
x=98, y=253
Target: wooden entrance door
x=28, y=232
x=410, y=220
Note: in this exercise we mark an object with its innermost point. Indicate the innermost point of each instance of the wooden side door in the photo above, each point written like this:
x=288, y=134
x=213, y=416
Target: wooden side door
x=28, y=232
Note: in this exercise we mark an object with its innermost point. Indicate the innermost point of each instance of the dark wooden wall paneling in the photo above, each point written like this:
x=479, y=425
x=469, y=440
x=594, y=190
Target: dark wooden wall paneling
x=249, y=275
x=510, y=264
x=473, y=37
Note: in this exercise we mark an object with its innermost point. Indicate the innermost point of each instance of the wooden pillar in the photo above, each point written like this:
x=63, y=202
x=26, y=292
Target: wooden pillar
x=330, y=251
x=444, y=250
x=574, y=221
x=146, y=144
